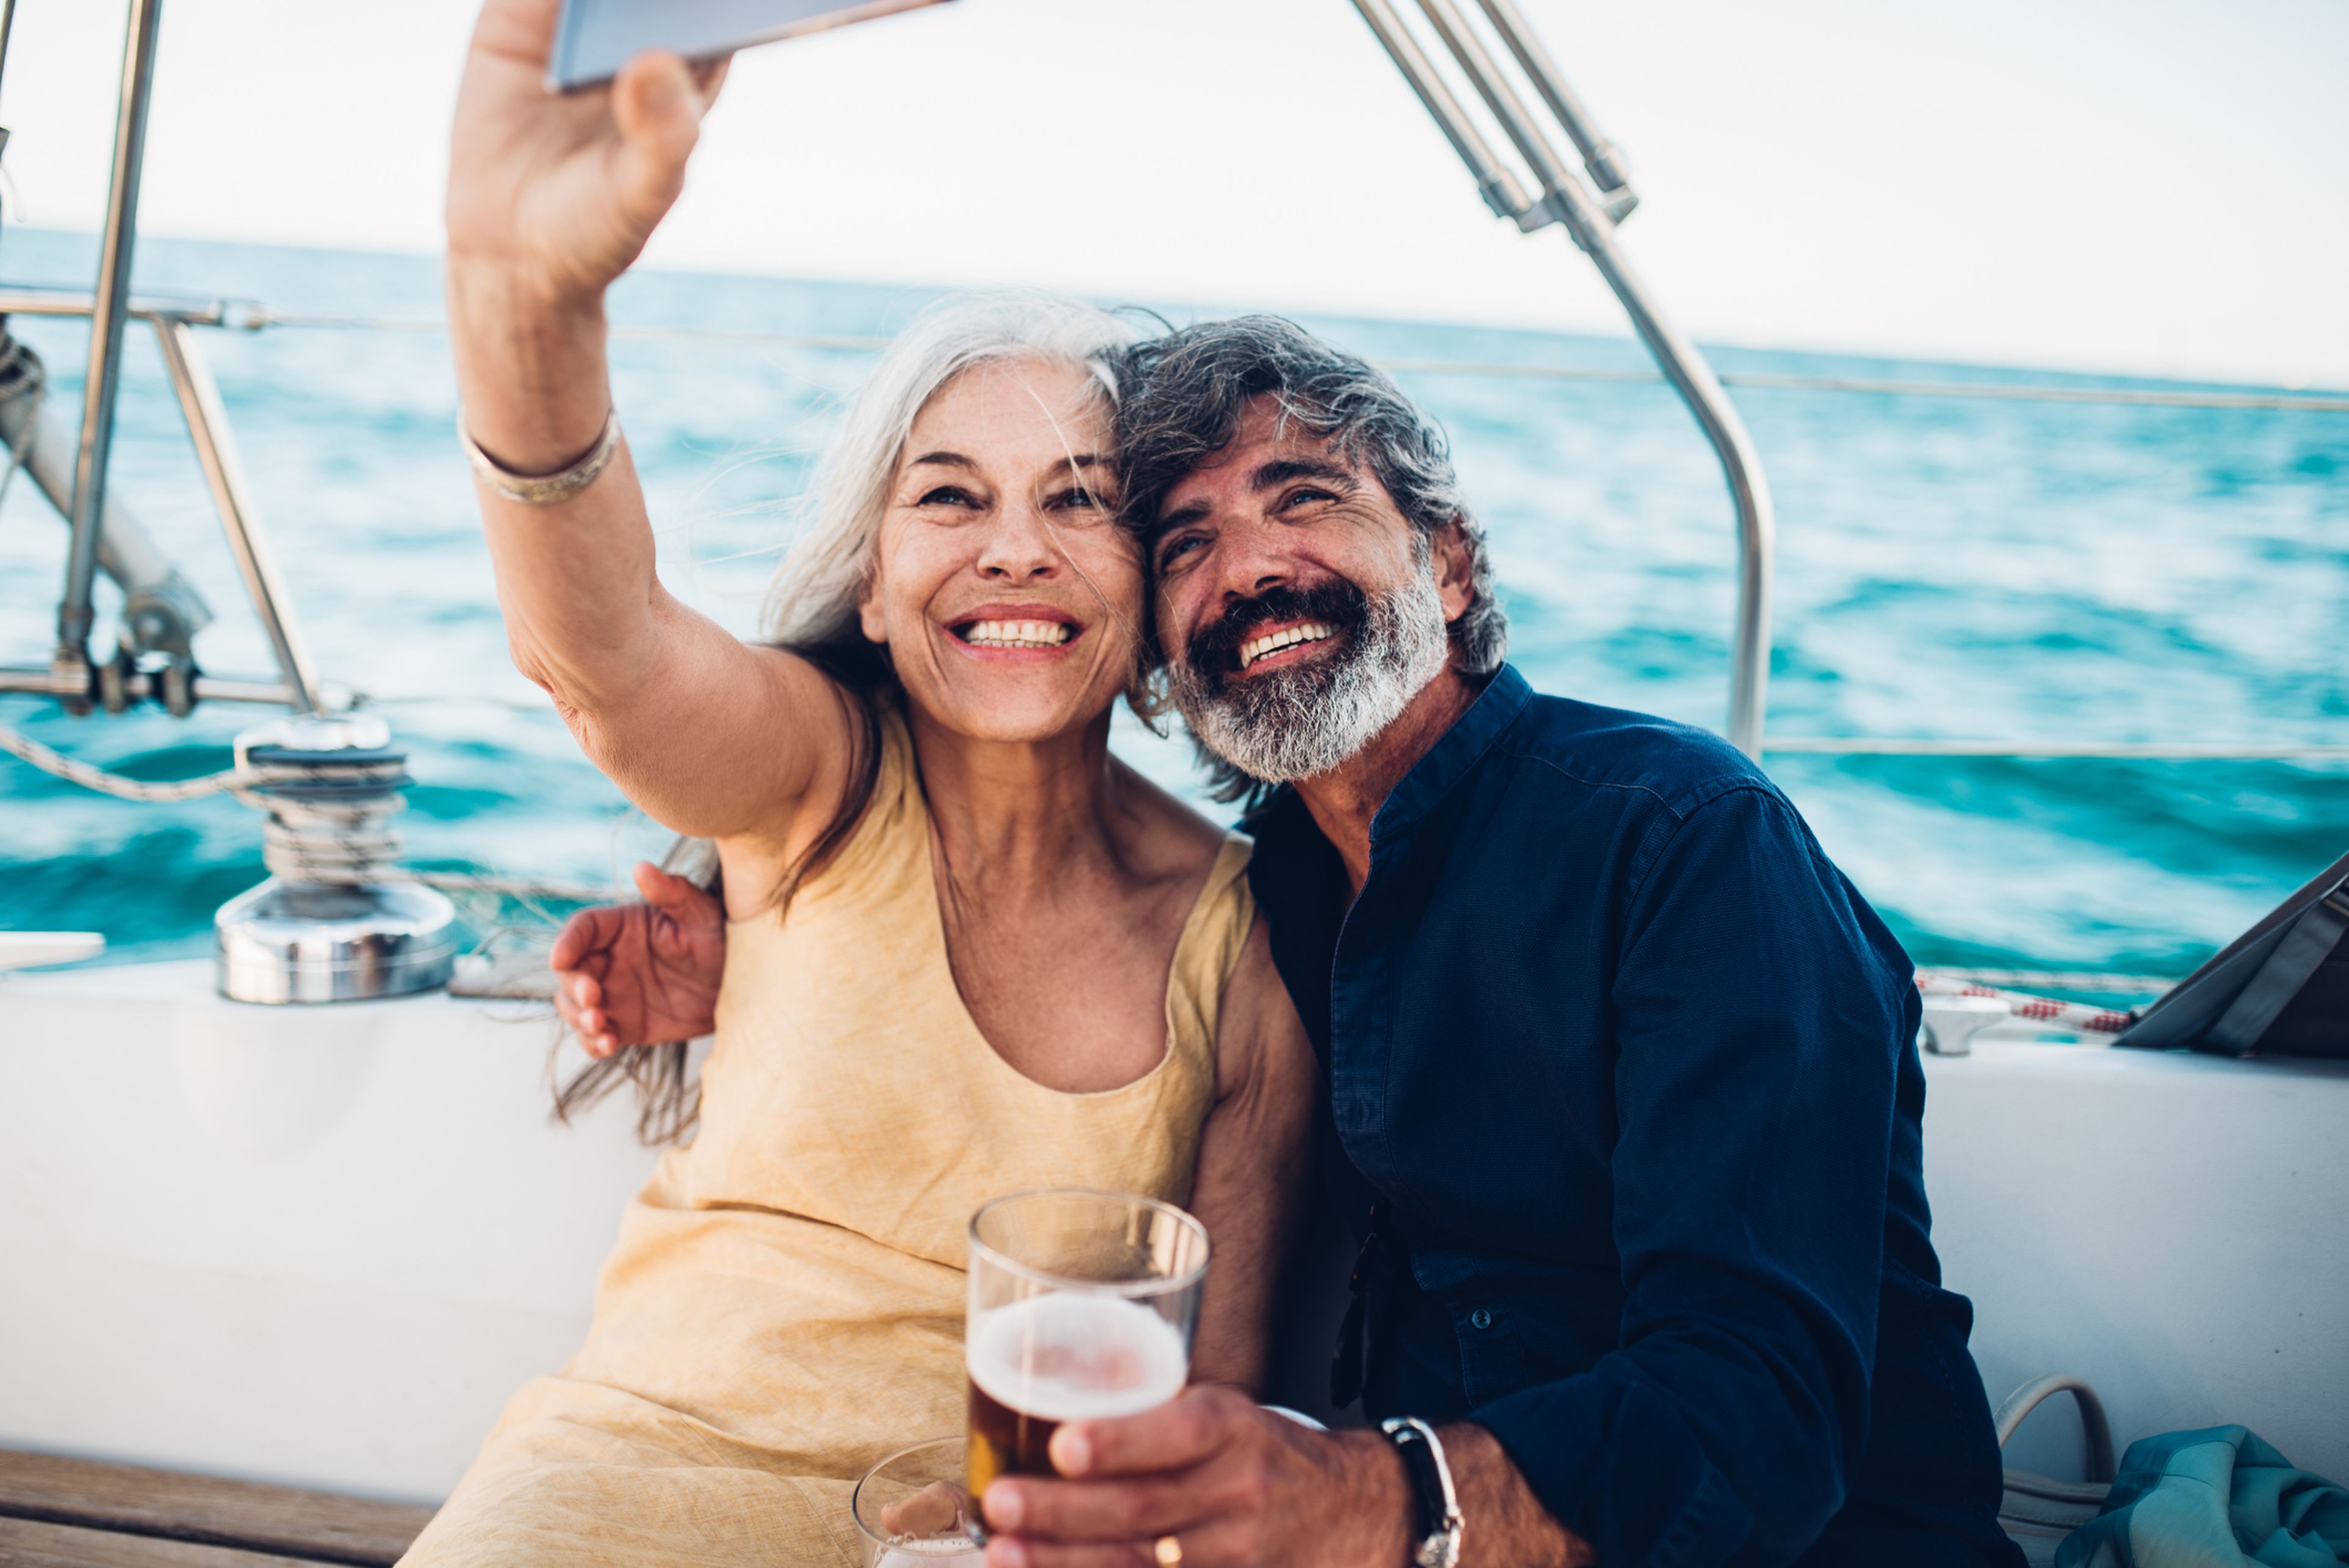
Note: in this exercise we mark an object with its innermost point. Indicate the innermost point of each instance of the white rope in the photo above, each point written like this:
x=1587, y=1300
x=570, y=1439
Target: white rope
x=26, y=748
x=303, y=840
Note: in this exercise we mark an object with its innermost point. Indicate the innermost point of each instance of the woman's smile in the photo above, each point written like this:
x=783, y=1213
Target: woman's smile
x=1016, y=633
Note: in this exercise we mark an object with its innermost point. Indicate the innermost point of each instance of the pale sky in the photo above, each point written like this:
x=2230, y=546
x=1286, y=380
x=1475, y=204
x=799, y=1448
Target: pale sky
x=2158, y=186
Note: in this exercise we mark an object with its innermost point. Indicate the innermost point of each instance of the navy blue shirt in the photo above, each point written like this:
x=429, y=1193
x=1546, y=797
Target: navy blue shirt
x=1623, y=1074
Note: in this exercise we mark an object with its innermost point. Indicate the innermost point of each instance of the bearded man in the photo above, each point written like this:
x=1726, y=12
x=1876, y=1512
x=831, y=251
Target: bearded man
x=1622, y=1095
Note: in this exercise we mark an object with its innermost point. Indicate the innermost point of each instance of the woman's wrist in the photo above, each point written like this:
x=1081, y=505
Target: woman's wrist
x=501, y=279
x=530, y=364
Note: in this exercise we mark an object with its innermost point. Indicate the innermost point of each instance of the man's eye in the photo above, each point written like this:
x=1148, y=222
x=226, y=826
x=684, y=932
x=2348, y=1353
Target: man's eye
x=1174, y=549
x=1303, y=494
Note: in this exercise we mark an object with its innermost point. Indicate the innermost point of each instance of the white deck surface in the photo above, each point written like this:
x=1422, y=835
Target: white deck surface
x=322, y=1246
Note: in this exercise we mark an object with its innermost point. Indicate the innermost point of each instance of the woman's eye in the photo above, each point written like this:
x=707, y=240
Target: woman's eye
x=1079, y=500
x=946, y=495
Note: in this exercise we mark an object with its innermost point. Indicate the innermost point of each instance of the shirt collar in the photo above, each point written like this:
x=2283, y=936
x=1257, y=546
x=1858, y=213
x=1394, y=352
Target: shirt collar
x=1448, y=762
x=1444, y=765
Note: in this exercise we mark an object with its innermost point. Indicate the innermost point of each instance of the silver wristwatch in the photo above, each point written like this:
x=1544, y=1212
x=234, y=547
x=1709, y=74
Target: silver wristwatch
x=1440, y=1524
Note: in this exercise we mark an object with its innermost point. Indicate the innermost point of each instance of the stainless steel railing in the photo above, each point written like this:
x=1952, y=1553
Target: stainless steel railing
x=1562, y=197
x=72, y=676
x=1589, y=196
x=75, y=613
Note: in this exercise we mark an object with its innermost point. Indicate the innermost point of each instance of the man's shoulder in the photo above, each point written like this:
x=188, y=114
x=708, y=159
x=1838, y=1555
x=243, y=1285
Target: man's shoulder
x=1586, y=746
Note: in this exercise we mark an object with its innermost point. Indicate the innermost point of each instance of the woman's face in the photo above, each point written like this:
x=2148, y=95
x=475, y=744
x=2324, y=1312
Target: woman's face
x=1007, y=593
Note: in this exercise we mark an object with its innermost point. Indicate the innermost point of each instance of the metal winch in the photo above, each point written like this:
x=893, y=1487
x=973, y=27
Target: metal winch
x=337, y=921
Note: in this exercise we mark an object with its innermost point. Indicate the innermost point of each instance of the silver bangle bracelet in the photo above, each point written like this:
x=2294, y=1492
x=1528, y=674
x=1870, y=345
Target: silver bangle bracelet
x=544, y=490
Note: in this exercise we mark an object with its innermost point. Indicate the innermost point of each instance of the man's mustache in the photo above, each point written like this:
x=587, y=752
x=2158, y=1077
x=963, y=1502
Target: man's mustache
x=1214, y=650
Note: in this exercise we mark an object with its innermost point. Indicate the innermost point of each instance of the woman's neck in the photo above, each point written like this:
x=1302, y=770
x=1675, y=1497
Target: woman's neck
x=1016, y=813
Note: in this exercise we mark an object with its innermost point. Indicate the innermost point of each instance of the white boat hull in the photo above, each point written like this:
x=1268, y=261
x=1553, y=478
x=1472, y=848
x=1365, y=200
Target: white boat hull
x=322, y=1245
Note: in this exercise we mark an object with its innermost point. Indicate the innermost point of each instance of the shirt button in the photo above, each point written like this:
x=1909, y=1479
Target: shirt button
x=1481, y=1318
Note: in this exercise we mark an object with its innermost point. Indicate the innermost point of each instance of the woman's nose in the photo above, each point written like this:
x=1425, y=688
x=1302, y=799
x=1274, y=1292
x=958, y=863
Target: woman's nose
x=1019, y=546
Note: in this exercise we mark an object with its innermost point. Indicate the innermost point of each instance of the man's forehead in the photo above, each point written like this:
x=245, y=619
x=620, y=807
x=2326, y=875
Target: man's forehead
x=1266, y=435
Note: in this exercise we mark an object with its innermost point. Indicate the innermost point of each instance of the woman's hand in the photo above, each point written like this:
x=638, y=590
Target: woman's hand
x=556, y=193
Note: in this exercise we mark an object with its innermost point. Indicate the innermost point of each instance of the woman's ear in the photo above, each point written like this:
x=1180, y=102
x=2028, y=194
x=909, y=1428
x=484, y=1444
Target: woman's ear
x=869, y=619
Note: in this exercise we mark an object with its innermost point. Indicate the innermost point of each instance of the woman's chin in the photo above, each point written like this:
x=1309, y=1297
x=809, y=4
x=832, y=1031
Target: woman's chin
x=1011, y=716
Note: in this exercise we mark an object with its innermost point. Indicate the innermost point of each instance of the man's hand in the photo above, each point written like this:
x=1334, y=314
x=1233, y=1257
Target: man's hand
x=1234, y=1484
x=642, y=974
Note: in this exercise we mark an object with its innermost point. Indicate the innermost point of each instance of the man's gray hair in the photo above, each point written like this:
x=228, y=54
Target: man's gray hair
x=1186, y=392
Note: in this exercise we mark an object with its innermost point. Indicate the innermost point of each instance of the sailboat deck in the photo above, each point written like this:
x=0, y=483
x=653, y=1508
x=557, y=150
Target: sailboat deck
x=57, y=1512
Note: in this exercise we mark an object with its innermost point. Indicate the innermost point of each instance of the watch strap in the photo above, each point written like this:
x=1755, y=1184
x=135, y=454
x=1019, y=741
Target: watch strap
x=1440, y=1525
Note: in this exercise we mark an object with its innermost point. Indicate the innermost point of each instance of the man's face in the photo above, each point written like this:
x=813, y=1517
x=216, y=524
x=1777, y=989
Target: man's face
x=1299, y=609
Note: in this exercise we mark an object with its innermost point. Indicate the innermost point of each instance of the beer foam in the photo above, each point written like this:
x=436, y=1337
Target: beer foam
x=1072, y=1356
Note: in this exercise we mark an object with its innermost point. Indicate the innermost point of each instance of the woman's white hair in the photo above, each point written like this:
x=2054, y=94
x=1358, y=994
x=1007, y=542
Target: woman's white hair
x=810, y=606
x=811, y=602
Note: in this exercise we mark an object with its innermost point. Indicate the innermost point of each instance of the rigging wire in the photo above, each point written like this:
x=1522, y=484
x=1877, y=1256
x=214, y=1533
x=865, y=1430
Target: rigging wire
x=2004, y=391
x=2138, y=397
x=2051, y=750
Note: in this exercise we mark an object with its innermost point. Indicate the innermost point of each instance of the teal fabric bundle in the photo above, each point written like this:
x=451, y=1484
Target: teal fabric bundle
x=2219, y=1498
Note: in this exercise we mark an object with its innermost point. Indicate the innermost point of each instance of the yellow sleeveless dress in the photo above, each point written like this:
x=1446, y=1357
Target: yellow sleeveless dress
x=785, y=1304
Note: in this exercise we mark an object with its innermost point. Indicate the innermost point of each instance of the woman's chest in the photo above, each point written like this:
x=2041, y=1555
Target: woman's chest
x=1072, y=1000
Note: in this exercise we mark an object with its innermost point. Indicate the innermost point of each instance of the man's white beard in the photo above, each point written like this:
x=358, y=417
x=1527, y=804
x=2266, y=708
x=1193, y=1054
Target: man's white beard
x=1305, y=720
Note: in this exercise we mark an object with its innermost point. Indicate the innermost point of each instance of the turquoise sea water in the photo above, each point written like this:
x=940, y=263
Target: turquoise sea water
x=1946, y=567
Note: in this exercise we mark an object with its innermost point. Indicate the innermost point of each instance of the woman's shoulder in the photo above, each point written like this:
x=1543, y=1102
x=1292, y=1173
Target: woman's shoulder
x=1168, y=837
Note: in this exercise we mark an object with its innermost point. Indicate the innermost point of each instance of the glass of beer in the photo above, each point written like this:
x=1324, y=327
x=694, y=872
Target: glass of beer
x=1081, y=1308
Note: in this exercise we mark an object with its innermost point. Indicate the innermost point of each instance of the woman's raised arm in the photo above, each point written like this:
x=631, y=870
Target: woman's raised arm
x=551, y=197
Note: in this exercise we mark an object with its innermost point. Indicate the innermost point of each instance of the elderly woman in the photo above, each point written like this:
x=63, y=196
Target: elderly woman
x=968, y=951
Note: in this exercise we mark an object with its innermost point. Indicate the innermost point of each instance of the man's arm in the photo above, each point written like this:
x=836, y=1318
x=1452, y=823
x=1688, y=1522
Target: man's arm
x=1507, y=1526
x=1236, y=1486
x=1760, y=1034
x=1759, y=1017
x=642, y=974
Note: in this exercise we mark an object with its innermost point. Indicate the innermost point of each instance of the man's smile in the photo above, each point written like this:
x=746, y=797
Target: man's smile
x=1265, y=644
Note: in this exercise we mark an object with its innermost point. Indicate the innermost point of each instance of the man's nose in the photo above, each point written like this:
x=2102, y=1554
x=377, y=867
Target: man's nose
x=1019, y=546
x=1251, y=560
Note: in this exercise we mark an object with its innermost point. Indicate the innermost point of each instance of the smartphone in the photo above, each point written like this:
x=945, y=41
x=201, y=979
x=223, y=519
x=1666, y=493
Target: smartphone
x=595, y=38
